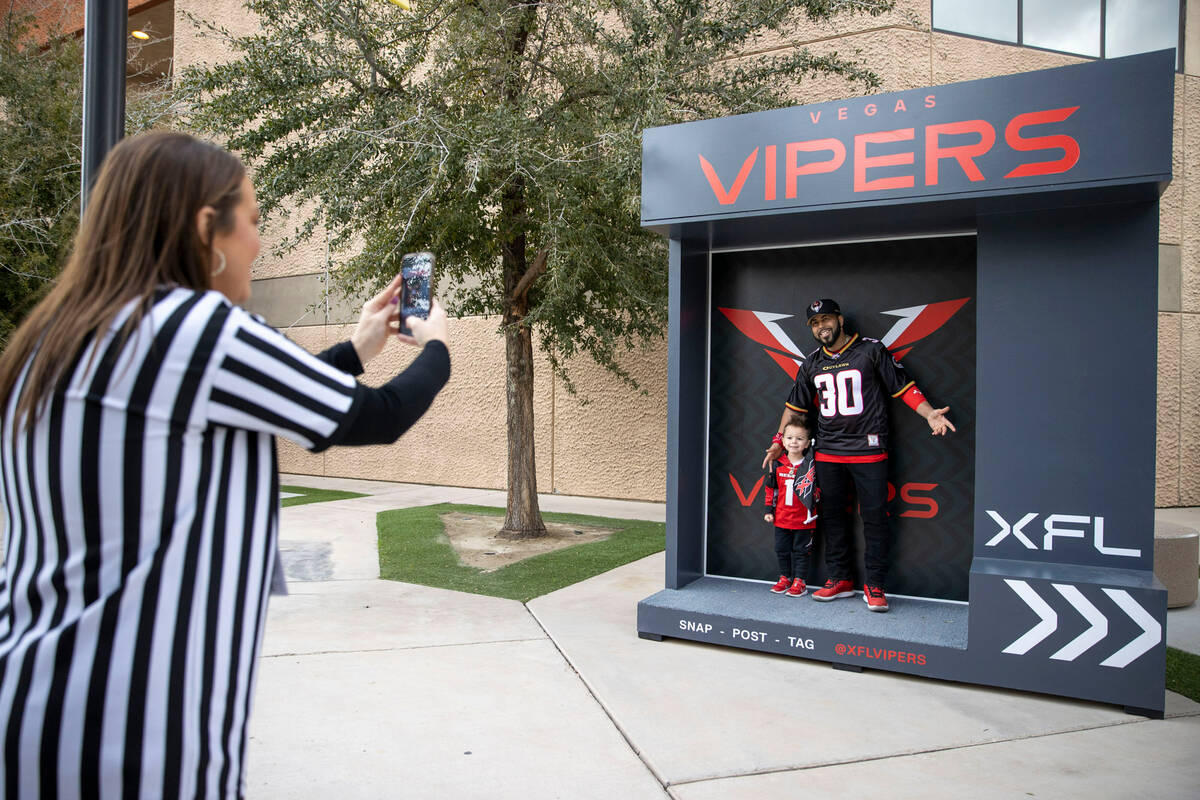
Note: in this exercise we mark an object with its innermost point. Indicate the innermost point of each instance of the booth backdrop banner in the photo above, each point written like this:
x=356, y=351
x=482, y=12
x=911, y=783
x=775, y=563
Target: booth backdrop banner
x=1011, y=134
x=918, y=297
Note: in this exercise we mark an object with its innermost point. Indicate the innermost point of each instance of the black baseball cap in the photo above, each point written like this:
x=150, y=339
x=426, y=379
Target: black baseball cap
x=823, y=306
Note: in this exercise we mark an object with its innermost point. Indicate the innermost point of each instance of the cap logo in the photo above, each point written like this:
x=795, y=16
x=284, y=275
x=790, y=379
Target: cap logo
x=816, y=306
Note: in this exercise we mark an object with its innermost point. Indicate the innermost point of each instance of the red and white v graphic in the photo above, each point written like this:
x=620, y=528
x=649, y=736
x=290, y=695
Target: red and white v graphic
x=744, y=498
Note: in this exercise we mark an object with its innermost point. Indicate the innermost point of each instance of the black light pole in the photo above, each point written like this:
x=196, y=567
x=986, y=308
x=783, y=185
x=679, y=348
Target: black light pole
x=104, y=31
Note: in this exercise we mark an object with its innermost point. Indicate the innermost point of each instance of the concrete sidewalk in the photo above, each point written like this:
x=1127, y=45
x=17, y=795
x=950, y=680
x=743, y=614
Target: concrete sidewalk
x=374, y=689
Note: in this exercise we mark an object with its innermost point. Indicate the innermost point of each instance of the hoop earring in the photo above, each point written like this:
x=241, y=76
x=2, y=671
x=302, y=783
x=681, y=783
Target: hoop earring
x=221, y=266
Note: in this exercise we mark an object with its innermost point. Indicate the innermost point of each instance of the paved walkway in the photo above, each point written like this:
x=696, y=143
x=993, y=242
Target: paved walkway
x=375, y=689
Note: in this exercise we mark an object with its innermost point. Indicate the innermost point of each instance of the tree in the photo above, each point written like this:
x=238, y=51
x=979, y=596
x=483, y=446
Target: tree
x=505, y=135
x=41, y=114
x=40, y=119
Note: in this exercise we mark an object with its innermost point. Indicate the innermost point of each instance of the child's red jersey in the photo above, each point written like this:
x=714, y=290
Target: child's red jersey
x=792, y=493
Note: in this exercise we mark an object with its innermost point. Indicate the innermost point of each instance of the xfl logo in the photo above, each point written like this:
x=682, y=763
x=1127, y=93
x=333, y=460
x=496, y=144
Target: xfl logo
x=1064, y=526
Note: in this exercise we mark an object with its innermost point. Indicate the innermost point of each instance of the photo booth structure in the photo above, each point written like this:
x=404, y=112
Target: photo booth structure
x=1000, y=237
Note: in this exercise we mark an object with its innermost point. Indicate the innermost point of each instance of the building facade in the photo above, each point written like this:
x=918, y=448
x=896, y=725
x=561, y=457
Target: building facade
x=614, y=445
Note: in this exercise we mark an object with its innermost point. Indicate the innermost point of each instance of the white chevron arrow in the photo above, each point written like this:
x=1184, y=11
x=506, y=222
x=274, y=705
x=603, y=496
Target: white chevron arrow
x=1151, y=631
x=1047, y=625
x=907, y=316
x=1099, y=629
x=771, y=323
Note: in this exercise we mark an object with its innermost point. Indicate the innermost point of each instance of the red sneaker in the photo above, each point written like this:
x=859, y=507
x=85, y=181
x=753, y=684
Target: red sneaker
x=832, y=590
x=797, y=589
x=782, y=584
x=874, y=597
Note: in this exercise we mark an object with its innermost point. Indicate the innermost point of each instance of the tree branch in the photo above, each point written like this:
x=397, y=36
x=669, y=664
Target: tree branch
x=351, y=30
x=535, y=271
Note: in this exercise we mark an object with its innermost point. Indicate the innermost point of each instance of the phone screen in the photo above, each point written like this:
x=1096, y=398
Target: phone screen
x=416, y=292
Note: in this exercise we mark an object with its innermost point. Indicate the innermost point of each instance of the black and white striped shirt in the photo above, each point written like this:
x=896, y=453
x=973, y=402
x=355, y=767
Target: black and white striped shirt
x=141, y=515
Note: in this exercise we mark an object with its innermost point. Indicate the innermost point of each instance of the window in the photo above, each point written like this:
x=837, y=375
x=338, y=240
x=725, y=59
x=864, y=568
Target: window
x=996, y=20
x=1072, y=26
x=1139, y=26
x=1095, y=28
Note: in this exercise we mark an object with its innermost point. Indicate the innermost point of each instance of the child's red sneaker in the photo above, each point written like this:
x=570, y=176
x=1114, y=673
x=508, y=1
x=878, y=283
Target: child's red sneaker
x=782, y=584
x=797, y=589
x=874, y=597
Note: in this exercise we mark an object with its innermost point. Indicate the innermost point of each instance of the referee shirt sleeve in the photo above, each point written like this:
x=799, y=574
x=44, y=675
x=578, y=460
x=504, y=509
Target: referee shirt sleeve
x=386, y=412
x=343, y=356
x=264, y=382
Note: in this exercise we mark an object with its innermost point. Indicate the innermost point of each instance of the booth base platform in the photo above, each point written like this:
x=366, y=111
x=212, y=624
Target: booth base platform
x=746, y=614
x=916, y=636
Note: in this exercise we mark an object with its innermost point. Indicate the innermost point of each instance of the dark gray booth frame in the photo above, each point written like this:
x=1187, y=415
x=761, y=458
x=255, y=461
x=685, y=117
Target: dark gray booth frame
x=1066, y=351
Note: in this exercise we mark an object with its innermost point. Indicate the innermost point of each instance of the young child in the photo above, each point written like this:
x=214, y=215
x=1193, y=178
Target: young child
x=792, y=507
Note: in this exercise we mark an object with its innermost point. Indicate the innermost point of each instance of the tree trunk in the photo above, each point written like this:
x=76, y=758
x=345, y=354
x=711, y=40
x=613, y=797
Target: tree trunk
x=523, y=519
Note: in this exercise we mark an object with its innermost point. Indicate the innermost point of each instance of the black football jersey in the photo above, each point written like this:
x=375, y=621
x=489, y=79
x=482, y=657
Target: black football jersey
x=848, y=393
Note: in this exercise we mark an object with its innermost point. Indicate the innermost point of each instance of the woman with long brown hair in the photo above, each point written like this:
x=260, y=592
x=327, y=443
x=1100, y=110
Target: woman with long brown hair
x=139, y=482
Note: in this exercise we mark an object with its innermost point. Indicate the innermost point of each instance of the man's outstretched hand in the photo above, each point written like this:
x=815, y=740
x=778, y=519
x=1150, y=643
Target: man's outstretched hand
x=938, y=422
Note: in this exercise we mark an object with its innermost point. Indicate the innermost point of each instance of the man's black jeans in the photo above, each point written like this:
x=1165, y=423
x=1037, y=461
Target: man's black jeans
x=869, y=481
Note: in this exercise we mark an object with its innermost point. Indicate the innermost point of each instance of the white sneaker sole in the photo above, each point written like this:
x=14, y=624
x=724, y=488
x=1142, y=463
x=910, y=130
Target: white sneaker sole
x=870, y=607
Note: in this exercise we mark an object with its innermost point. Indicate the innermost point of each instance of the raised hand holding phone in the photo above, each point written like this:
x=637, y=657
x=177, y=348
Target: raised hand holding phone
x=416, y=287
x=385, y=313
x=434, y=326
x=376, y=322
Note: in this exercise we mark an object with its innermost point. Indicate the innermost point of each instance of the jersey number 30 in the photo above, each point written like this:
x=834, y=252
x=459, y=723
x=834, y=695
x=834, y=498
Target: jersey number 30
x=841, y=393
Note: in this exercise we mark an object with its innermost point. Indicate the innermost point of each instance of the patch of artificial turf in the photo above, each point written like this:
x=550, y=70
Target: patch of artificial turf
x=309, y=495
x=1183, y=673
x=413, y=548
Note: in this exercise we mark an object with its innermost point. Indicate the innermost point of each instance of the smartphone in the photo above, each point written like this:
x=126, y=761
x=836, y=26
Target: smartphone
x=416, y=287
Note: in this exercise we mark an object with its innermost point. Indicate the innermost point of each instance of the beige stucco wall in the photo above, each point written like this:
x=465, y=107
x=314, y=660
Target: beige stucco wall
x=1186, y=448
x=194, y=46
x=610, y=443
x=614, y=446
